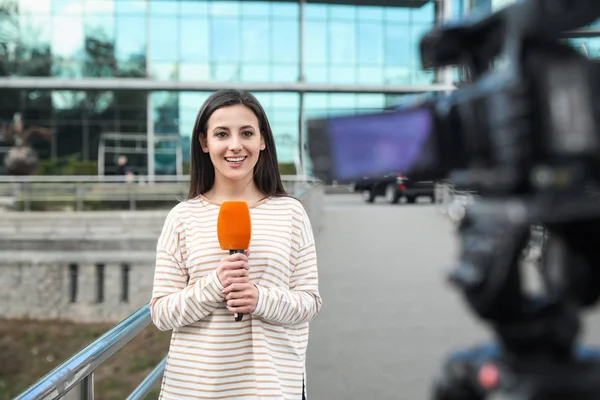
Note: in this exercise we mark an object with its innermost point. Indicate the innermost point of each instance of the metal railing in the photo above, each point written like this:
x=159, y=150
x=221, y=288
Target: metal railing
x=79, y=369
x=78, y=193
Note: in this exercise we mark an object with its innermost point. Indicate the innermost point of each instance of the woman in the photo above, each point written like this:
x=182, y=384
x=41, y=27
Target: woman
x=198, y=287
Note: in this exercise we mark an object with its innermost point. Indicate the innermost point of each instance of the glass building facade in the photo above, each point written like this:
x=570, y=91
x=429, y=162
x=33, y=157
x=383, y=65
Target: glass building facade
x=183, y=43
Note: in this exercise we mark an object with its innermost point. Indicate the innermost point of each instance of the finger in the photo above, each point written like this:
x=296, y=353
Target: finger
x=236, y=257
x=235, y=287
x=247, y=253
x=235, y=265
x=231, y=280
x=236, y=273
x=242, y=310
x=239, y=302
x=237, y=295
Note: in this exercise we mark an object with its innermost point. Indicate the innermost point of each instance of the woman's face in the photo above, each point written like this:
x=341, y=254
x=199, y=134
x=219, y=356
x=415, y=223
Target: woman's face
x=233, y=142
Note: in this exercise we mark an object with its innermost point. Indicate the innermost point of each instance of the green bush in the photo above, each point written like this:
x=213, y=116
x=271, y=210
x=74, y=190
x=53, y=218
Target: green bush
x=287, y=169
x=67, y=165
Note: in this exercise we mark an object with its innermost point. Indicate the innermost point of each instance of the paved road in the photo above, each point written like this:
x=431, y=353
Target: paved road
x=388, y=319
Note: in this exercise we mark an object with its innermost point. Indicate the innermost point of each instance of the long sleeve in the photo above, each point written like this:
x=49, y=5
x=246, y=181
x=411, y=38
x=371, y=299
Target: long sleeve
x=302, y=301
x=176, y=303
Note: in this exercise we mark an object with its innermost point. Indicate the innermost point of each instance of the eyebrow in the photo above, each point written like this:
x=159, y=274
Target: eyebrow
x=226, y=128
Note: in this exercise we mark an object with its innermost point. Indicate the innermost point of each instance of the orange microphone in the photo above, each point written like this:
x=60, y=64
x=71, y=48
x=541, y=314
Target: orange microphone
x=234, y=229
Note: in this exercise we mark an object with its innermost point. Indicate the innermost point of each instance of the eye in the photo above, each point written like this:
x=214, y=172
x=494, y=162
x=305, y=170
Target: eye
x=220, y=134
x=248, y=133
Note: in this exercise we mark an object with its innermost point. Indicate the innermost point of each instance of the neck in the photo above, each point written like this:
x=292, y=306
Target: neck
x=225, y=190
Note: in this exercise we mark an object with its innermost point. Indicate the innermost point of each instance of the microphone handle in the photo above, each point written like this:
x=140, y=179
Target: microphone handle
x=238, y=316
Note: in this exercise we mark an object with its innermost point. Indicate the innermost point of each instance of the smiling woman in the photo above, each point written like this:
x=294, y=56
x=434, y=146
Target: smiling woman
x=198, y=286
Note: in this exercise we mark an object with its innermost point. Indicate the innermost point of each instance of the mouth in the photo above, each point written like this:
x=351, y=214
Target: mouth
x=235, y=161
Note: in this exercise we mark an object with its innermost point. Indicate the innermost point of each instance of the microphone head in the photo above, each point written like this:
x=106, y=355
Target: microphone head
x=234, y=226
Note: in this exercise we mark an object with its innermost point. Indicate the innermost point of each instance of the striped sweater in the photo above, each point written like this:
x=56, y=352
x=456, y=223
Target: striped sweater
x=211, y=356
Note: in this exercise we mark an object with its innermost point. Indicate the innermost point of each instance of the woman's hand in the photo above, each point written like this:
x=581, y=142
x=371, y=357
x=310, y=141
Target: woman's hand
x=241, y=297
x=233, y=269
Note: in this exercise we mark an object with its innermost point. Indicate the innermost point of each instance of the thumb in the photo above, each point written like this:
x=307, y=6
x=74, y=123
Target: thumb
x=247, y=253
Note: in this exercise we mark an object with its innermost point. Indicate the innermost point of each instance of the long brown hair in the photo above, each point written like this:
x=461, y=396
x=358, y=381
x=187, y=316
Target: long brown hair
x=202, y=172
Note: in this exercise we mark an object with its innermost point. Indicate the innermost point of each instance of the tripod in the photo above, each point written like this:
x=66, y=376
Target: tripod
x=537, y=356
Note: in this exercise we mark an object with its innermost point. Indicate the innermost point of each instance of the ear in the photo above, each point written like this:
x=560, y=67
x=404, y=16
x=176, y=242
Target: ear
x=203, y=143
x=262, y=143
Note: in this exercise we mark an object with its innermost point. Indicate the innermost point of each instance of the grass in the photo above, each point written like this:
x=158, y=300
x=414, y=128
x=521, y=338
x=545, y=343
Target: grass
x=29, y=349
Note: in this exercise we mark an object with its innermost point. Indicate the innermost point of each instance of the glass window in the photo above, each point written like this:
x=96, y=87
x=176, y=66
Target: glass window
x=67, y=7
x=130, y=36
x=285, y=73
x=342, y=100
x=224, y=39
x=316, y=101
x=266, y=100
x=100, y=28
x=255, y=73
x=35, y=30
x=287, y=100
x=193, y=8
x=256, y=8
x=370, y=43
x=398, y=75
x=368, y=13
x=342, y=75
x=255, y=39
x=227, y=72
x=164, y=71
x=370, y=75
x=163, y=7
x=315, y=50
x=193, y=39
x=425, y=13
x=284, y=40
x=344, y=12
x=66, y=99
x=67, y=36
x=422, y=77
x=35, y=6
x=398, y=46
x=316, y=74
x=342, y=41
x=164, y=36
x=225, y=8
x=130, y=6
x=99, y=6
x=194, y=72
x=370, y=101
x=315, y=11
x=289, y=10
x=397, y=14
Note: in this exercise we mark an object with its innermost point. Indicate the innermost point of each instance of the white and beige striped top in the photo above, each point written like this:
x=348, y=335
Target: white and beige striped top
x=212, y=356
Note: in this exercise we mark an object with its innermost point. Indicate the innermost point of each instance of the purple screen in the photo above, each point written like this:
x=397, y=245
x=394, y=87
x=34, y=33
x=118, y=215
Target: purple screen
x=371, y=145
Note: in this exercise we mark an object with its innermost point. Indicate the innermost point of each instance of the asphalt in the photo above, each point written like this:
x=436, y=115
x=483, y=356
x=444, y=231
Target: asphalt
x=388, y=318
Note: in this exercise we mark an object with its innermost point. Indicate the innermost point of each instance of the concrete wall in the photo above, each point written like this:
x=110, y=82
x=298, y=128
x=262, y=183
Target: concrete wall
x=37, y=251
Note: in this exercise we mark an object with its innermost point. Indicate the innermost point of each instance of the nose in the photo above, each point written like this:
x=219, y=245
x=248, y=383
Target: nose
x=234, y=144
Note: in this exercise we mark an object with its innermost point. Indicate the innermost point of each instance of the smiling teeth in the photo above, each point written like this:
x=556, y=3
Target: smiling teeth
x=236, y=159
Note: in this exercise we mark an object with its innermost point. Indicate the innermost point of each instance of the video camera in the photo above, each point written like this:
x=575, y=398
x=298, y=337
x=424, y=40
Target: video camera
x=524, y=132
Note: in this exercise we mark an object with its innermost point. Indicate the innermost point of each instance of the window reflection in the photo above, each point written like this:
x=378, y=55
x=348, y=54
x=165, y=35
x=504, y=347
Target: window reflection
x=99, y=6
x=398, y=46
x=164, y=35
x=35, y=6
x=193, y=39
x=370, y=43
x=342, y=41
x=67, y=36
x=284, y=40
x=130, y=7
x=255, y=73
x=35, y=30
x=67, y=7
x=194, y=71
x=225, y=8
x=255, y=36
x=224, y=40
x=316, y=35
x=163, y=7
x=285, y=73
x=282, y=9
x=130, y=36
